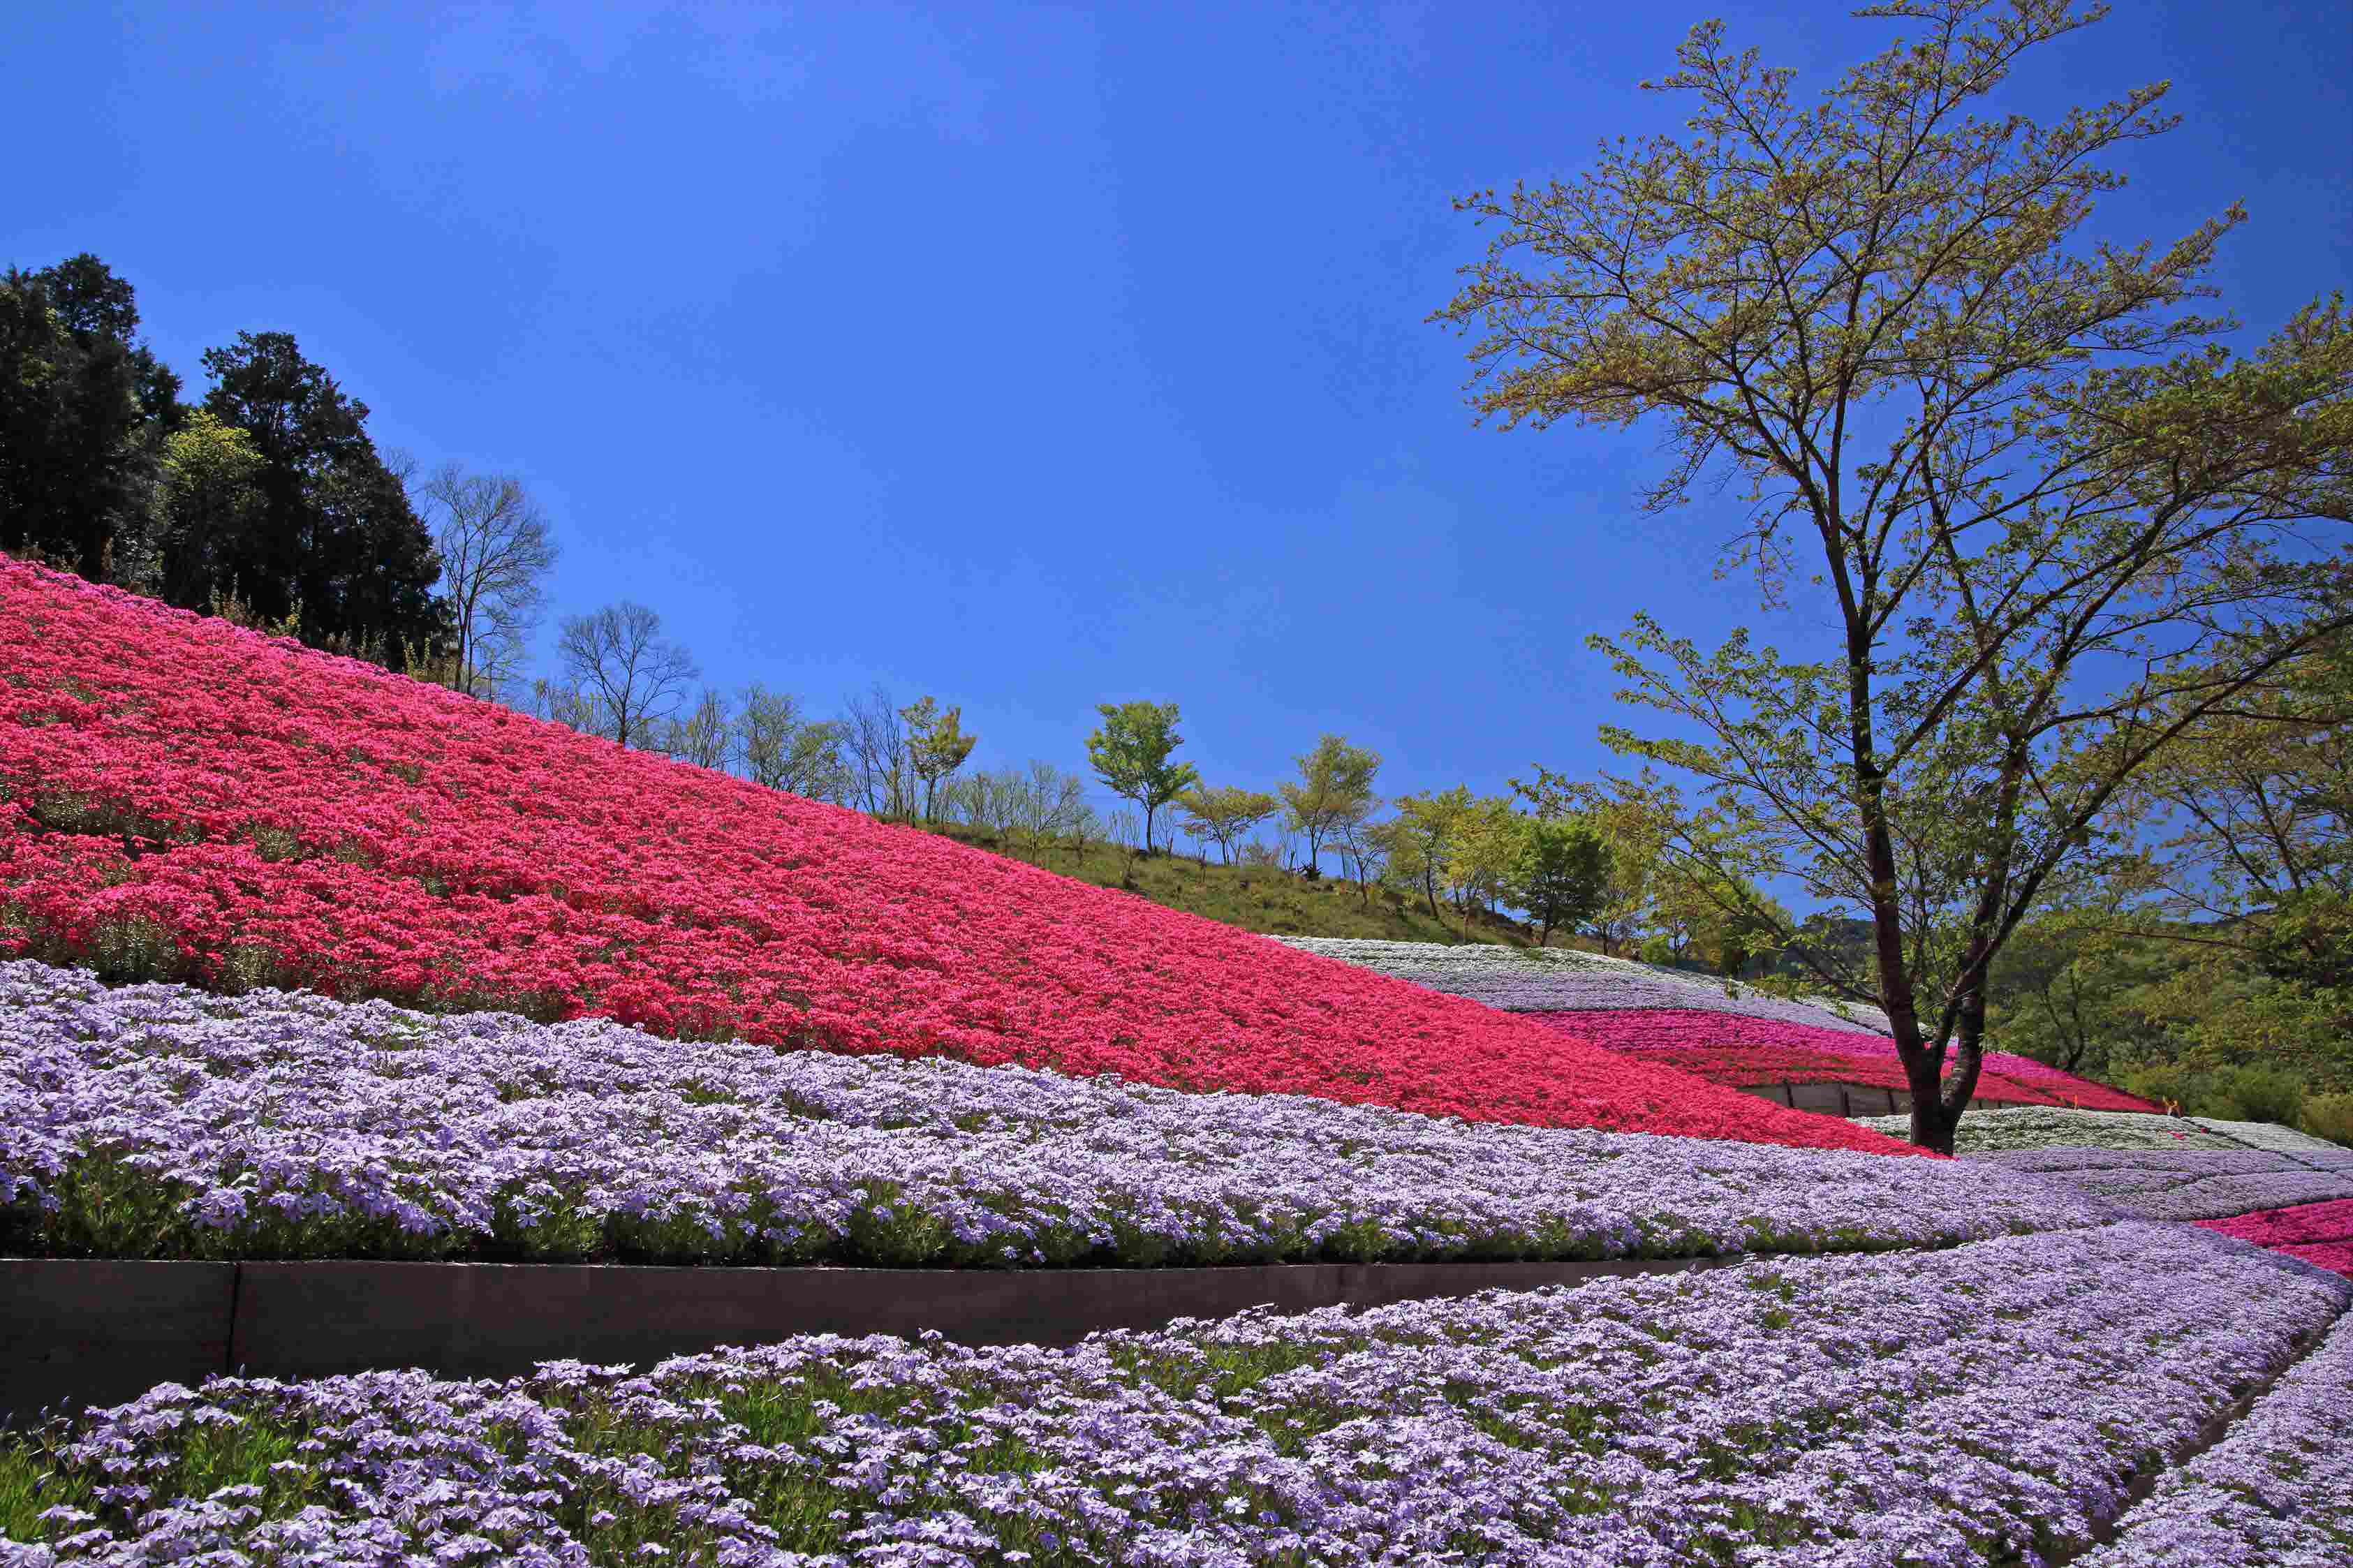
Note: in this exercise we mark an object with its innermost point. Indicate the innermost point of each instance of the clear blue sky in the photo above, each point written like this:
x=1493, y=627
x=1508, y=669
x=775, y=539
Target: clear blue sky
x=1031, y=358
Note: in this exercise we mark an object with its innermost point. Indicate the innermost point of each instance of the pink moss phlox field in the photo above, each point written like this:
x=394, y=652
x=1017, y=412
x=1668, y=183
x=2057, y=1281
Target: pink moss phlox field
x=2320, y=1234
x=259, y=810
x=1719, y=1030
x=158, y=1121
x=1729, y=1049
x=1987, y=1405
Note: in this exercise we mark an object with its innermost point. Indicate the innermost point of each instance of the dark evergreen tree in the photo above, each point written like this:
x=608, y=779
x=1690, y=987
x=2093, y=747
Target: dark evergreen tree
x=334, y=536
x=83, y=408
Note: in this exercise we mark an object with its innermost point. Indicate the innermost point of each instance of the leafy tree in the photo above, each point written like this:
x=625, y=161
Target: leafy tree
x=1424, y=838
x=84, y=408
x=1225, y=813
x=937, y=746
x=1486, y=849
x=2030, y=478
x=561, y=699
x=1129, y=753
x=496, y=554
x=1563, y=875
x=210, y=494
x=1364, y=851
x=1631, y=817
x=339, y=542
x=634, y=678
x=1336, y=785
x=778, y=748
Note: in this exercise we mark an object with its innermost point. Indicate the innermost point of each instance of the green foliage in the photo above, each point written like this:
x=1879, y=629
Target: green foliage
x=1129, y=753
x=1255, y=897
x=2023, y=473
x=937, y=745
x=1225, y=813
x=1336, y=786
x=334, y=532
x=84, y=408
x=2330, y=1115
x=1563, y=875
x=2251, y=1092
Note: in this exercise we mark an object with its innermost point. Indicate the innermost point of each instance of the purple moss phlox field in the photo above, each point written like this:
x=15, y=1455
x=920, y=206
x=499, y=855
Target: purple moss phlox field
x=157, y=1120
x=2277, y=1492
x=2190, y=1183
x=1981, y=1404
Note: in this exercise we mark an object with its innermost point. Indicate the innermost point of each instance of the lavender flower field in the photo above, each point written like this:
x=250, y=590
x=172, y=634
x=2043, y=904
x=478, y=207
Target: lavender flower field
x=1986, y=1404
x=1562, y=979
x=2191, y=1183
x=1986, y=1132
x=2278, y=1490
x=157, y=1120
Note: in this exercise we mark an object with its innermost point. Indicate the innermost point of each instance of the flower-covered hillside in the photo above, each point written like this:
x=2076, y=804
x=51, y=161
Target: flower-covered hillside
x=180, y=797
x=1725, y=1032
x=158, y=1121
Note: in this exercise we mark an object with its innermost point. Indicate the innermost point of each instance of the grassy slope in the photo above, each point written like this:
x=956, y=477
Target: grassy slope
x=1255, y=899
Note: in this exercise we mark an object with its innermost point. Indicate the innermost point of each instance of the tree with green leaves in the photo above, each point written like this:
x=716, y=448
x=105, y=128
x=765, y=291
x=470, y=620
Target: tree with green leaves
x=1424, y=838
x=2030, y=483
x=776, y=745
x=1336, y=784
x=1131, y=753
x=210, y=496
x=84, y=409
x=937, y=745
x=1225, y=813
x=339, y=542
x=1563, y=874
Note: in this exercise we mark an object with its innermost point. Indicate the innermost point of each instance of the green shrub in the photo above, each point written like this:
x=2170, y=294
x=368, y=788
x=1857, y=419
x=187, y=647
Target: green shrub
x=2330, y=1115
x=2167, y=1083
x=2256, y=1093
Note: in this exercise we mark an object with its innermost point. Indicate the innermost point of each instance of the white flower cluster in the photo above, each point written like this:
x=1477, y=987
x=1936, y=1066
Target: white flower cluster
x=1560, y=980
x=2056, y=1127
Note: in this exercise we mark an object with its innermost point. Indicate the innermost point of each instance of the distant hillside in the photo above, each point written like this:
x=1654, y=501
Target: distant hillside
x=1260, y=898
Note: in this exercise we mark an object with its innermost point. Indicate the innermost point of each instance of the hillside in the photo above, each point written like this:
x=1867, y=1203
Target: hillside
x=183, y=799
x=1260, y=898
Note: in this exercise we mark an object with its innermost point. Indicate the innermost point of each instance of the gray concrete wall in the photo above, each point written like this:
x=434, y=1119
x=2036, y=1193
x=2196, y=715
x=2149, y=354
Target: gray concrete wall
x=99, y=1333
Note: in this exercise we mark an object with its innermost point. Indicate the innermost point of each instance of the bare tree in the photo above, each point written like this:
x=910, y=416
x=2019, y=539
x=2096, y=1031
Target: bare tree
x=618, y=655
x=775, y=746
x=706, y=736
x=561, y=702
x=878, y=749
x=496, y=554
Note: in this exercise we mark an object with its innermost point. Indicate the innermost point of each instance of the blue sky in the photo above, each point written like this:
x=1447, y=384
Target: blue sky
x=1031, y=358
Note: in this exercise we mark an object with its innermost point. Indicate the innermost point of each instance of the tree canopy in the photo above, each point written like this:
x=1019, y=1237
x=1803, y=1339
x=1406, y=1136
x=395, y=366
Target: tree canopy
x=1131, y=752
x=2052, y=521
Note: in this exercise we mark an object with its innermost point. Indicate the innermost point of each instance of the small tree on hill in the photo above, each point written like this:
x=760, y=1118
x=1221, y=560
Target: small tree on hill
x=1563, y=875
x=1129, y=753
x=1336, y=784
x=619, y=657
x=937, y=745
x=1225, y=813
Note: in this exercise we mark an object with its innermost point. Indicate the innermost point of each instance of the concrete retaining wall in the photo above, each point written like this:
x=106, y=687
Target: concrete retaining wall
x=99, y=1333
